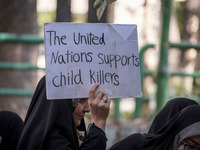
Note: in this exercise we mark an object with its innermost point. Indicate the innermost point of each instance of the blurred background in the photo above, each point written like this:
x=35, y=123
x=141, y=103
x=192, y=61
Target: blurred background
x=168, y=38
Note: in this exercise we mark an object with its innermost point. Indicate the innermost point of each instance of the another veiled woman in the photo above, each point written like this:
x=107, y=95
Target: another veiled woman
x=182, y=132
x=171, y=108
x=59, y=124
x=10, y=129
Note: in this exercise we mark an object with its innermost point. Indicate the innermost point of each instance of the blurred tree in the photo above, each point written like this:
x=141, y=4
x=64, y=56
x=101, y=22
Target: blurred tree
x=19, y=17
x=63, y=11
x=190, y=32
x=196, y=83
x=189, y=29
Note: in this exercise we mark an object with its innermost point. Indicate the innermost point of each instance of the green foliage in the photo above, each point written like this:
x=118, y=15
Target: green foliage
x=88, y=116
x=179, y=6
x=79, y=18
x=100, y=5
x=111, y=113
x=197, y=81
x=44, y=17
x=180, y=90
x=196, y=86
x=127, y=115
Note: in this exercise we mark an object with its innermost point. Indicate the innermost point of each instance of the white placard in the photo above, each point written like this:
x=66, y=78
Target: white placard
x=78, y=55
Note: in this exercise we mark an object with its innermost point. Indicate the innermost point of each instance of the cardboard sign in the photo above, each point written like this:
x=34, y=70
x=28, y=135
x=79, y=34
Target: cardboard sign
x=78, y=55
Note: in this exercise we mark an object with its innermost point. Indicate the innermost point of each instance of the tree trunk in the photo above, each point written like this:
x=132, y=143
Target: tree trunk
x=191, y=11
x=189, y=33
x=63, y=11
x=19, y=17
x=196, y=83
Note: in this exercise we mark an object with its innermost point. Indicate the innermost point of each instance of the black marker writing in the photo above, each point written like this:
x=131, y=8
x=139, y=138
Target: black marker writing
x=89, y=39
x=104, y=77
x=70, y=56
x=70, y=78
x=114, y=60
x=55, y=39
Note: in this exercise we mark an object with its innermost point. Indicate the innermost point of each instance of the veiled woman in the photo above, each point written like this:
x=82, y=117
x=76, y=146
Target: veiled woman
x=171, y=108
x=59, y=124
x=181, y=132
x=10, y=129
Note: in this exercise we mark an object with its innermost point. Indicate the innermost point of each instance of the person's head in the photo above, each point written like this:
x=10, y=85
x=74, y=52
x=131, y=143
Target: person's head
x=10, y=128
x=80, y=107
x=171, y=108
x=191, y=143
x=187, y=129
x=185, y=124
x=55, y=118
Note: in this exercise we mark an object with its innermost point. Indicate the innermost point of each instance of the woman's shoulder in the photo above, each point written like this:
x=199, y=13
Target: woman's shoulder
x=134, y=141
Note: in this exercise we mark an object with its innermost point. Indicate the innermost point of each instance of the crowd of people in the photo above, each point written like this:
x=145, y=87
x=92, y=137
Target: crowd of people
x=59, y=125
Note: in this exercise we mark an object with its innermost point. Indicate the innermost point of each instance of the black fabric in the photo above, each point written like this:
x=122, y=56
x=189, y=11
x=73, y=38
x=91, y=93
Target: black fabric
x=10, y=128
x=49, y=124
x=171, y=108
x=134, y=141
x=95, y=139
x=162, y=139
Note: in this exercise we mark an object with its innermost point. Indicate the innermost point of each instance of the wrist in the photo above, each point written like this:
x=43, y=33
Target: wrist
x=100, y=123
x=95, y=130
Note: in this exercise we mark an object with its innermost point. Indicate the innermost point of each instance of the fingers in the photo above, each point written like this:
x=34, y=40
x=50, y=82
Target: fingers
x=93, y=90
x=99, y=107
x=100, y=95
x=105, y=101
x=100, y=98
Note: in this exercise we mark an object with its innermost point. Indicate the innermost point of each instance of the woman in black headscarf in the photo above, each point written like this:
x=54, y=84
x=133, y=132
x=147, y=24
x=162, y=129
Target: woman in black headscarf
x=182, y=132
x=10, y=128
x=171, y=108
x=50, y=124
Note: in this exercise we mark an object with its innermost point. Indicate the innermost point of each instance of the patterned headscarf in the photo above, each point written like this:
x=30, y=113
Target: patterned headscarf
x=75, y=102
